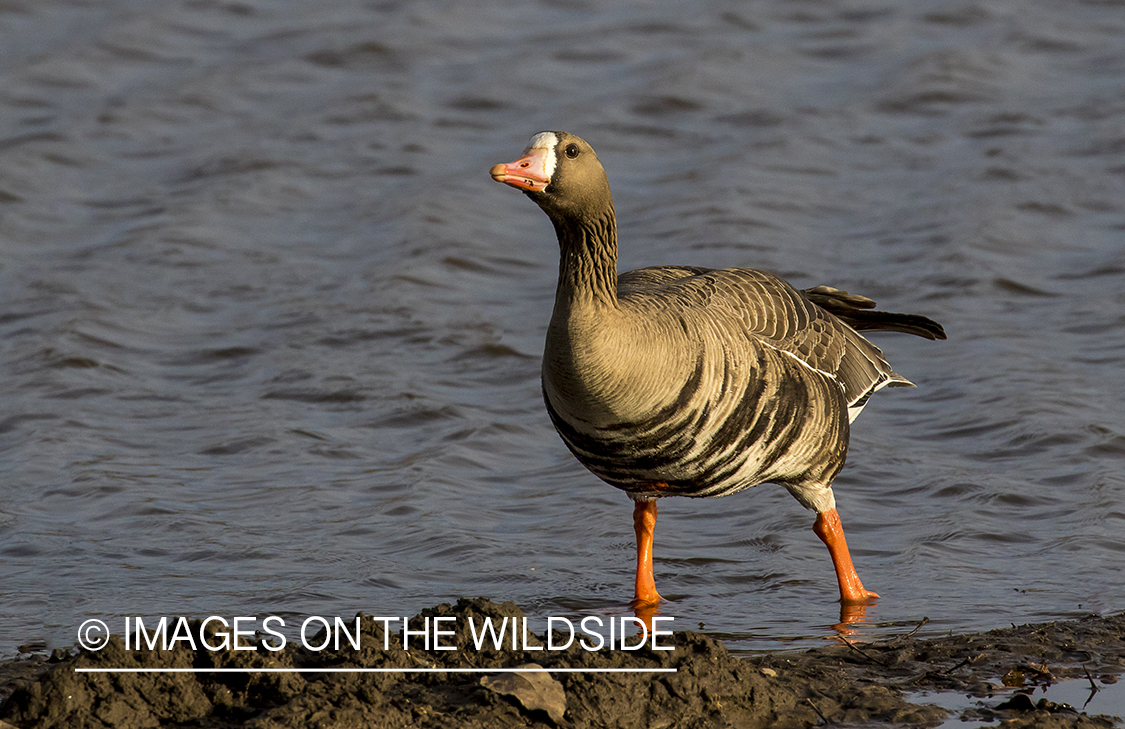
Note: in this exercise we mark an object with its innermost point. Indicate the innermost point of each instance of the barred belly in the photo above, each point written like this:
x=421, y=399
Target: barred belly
x=769, y=420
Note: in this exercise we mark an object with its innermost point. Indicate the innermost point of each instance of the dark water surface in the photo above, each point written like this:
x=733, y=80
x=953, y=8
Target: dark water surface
x=270, y=336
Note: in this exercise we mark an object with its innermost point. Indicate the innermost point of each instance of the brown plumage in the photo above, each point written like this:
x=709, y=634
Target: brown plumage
x=676, y=380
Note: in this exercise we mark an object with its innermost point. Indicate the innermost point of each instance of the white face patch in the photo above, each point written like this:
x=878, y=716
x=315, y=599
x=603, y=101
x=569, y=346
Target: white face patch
x=547, y=141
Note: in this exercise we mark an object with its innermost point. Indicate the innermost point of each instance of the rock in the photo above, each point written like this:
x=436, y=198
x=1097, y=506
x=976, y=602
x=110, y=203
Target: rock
x=536, y=691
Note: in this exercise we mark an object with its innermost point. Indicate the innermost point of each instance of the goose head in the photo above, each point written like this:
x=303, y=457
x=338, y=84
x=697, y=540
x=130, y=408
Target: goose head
x=562, y=174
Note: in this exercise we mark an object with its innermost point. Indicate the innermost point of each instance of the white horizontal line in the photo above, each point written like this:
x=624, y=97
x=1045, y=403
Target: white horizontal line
x=375, y=670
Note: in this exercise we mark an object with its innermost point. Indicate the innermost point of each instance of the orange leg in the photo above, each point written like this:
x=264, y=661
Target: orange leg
x=828, y=528
x=644, y=524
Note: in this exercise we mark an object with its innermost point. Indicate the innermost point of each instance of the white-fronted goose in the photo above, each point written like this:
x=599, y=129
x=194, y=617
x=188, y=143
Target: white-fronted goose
x=682, y=381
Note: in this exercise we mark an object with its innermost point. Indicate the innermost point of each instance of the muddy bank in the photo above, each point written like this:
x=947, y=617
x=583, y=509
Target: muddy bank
x=838, y=684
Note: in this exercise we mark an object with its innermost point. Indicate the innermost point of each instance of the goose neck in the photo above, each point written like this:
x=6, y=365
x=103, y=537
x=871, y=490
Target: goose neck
x=588, y=261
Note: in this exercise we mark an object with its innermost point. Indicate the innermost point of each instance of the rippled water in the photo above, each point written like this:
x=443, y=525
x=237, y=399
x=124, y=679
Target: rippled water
x=270, y=336
x=1109, y=699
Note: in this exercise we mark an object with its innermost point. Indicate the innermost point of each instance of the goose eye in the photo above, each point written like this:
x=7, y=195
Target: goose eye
x=571, y=151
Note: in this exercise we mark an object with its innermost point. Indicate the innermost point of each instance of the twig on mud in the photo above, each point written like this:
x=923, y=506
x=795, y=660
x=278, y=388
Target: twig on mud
x=1093, y=689
x=864, y=653
x=917, y=627
x=1093, y=686
x=947, y=674
x=822, y=716
x=968, y=661
x=903, y=636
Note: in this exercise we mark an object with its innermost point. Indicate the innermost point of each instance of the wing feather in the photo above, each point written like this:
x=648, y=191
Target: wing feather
x=766, y=307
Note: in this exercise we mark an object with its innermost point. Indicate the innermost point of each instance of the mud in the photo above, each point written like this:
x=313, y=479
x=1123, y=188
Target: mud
x=845, y=684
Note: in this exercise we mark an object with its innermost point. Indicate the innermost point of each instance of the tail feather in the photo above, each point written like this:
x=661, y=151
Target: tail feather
x=859, y=313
